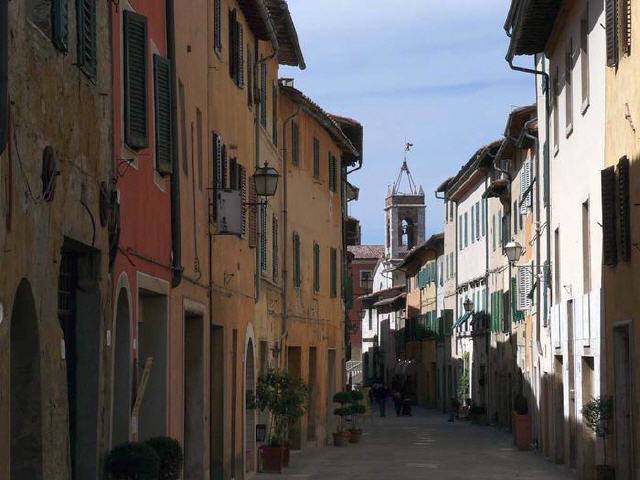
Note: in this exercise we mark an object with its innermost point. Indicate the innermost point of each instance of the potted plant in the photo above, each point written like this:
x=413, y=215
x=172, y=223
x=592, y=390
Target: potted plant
x=170, y=453
x=357, y=409
x=341, y=436
x=521, y=421
x=284, y=397
x=597, y=415
x=132, y=461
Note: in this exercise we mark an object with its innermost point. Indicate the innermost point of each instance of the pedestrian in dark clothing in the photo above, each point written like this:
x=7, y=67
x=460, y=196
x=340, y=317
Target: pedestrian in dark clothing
x=381, y=398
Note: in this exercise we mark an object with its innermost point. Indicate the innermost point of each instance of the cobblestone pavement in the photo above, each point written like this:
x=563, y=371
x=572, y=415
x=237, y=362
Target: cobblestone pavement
x=424, y=446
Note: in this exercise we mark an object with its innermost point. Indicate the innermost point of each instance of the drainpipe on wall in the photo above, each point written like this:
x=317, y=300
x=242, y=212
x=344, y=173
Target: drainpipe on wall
x=176, y=234
x=285, y=239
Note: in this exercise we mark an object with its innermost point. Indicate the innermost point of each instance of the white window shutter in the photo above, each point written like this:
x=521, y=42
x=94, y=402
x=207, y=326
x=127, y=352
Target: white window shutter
x=522, y=293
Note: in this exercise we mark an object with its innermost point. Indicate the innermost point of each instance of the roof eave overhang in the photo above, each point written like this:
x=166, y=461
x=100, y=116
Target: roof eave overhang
x=259, y=20
x=530, y=23
x=289, y=52
x=327, y=122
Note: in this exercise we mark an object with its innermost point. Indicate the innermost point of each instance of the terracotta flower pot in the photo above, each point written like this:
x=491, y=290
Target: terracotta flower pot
x=355, y=435
x=273, y=458
x=341, y=439
x=521, y=430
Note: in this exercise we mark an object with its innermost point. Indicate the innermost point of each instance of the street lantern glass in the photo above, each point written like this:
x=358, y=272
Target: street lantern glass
x=468, y=305
x=513, y=251
x=265, y=180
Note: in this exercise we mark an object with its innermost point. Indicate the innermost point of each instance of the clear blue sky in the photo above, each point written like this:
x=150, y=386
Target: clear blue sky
x=430, y=71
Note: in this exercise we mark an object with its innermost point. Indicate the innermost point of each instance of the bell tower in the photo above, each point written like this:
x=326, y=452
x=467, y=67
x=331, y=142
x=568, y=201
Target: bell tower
x=404, y=214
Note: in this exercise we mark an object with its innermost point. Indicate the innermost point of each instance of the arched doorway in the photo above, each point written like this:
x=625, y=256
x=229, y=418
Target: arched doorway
x=26, y=401
x=121, y=372
x=250, y=419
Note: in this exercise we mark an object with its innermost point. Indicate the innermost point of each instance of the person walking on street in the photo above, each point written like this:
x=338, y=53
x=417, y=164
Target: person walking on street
x=381, y=398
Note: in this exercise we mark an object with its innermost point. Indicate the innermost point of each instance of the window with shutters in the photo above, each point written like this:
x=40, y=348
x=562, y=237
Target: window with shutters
x=466, y=229
x=217, y=25
x=295, y=144
x=473, y=223
x=135, y=80
x=60, y=24
x=584, y=58
x=568, y=88
x=556, y=265
x=297, y=277
x=516, y=214
x=275, y=235
x=250, y=77
x=236, y=49
x=333, y=264
x=163, y=117
x=460, y=232
x=611, y=18
x=218, y=181
x=316, y=158
x=253, y=216
x=316, y=267
x=263, y=94
x=556, y=112
x=200, y=147
x=274, y=114
x=478, y=215
x=525, y=286
x=526, y=187
x=87, y=42
x=332, y=173
x=624, y=224
x=586, y=248
x=609, y=243
x=263, y=238
x=242, y=176
x=625, y=26
x=493, y=232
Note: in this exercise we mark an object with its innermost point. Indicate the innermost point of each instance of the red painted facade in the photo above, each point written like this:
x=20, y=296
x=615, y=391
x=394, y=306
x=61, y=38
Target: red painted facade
x=363, y=258
x=144, y=247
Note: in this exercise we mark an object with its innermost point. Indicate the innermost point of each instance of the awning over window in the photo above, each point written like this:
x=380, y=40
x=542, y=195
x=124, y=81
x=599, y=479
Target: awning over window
x=461, y=320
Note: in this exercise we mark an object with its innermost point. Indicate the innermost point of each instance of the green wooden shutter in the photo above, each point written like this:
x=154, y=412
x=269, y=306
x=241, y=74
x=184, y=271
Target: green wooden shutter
x=163, y=120
x=297, y=280
x=60, y=24
x=263, y=237
x=217, y=25
x=624, y=223
x=316, y=267
x=242, y=173
x=275, y=261
x=135, y=80
x=4, y=73
x=609, y=247
x=333, y=266
x=87, y=44
x=295, y=143
x=274, y=114
x=263, y=94
x=611, y=19
x=316, y=158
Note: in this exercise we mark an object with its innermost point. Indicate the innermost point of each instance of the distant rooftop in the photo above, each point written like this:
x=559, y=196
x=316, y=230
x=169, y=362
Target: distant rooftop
x=366, y=251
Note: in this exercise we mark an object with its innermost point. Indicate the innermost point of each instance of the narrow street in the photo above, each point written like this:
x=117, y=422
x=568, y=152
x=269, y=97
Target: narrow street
x=423, y=446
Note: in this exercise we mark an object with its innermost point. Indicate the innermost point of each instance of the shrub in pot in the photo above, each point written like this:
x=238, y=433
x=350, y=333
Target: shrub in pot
x=132, y=461
x=521, y=421
x=284, y=397
x=171, y=458
x=341, y=436
x=597, y=415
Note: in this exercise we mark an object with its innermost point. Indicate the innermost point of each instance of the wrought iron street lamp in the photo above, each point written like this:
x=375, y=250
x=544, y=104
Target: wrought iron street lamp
x=265, y=180
x=468, y=305
x=513, y=250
